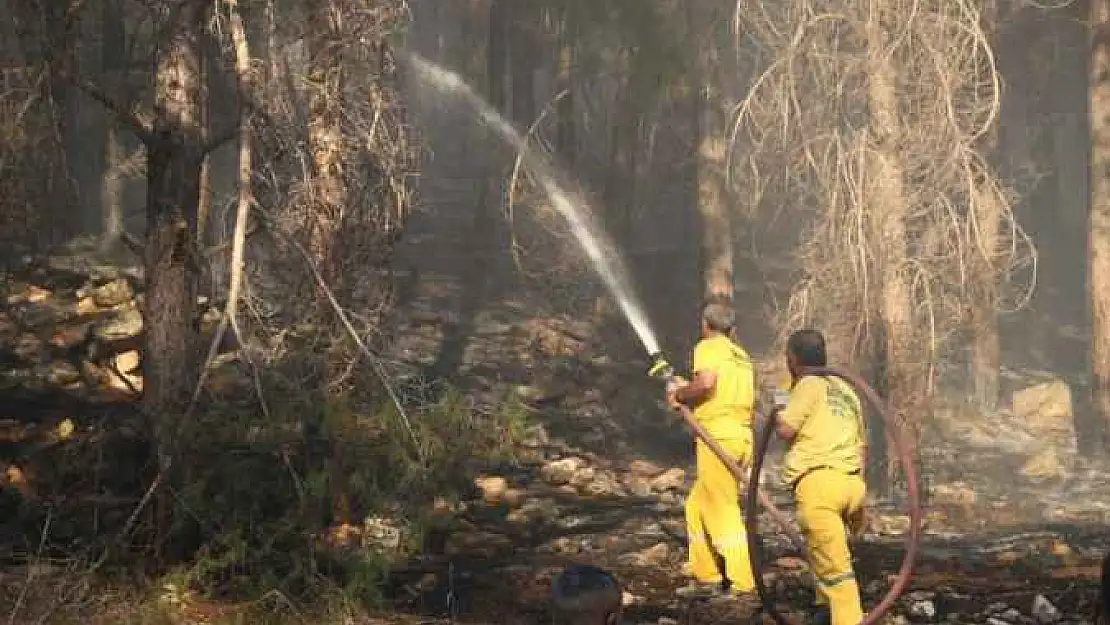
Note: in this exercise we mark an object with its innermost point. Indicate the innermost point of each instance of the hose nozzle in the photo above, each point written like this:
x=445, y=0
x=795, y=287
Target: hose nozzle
x=660, y=368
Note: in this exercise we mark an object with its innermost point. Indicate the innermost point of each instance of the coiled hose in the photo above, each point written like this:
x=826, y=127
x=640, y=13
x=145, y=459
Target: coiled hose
x=905, y=455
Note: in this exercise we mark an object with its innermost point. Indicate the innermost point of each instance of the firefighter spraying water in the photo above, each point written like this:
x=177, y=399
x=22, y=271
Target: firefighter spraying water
x=822, y=419
x=708, y=401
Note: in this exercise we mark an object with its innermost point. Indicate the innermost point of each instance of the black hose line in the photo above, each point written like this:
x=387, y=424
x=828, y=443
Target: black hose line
x=904, y=449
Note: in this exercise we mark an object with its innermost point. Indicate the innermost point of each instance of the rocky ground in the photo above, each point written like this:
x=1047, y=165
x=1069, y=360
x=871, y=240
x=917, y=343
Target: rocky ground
x=1014, y=529
x=1015, y=523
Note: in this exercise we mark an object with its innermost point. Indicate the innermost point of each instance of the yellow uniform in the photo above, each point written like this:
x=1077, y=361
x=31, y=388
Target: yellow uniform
x=714, y=523
x=824, y=467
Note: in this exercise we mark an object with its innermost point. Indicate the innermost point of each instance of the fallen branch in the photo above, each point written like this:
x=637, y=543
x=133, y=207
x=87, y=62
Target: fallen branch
x=142, y=128
x=242, y=213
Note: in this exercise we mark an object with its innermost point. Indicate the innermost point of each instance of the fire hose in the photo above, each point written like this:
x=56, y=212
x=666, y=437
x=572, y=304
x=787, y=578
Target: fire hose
x=754, y=494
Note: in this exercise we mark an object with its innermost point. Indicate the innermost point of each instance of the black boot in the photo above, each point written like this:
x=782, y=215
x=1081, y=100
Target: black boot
x=822, y=616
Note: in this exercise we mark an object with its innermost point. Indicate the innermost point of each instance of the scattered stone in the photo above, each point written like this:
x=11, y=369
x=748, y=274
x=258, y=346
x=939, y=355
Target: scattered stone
x=1044, y=406
x=638, y=485
x=893, y=525
x=644, y=468
x=603, y=486
x=666, y=620
x=560, y=472
x=124, y=324
x=493, y=488
x=514, y=497
x=127, y=364
x=31, y=295
x=958, y=493
x=656, y=555
x=533, y=511
x=62, y=373
x=924, y=610
x=381, y=535
x=582, y=477
x=1044, y=464
x=996, y=621
x=1012, y=615
x=671, y=479
x=86, y=306
x=113, y=293
x=1043, y=610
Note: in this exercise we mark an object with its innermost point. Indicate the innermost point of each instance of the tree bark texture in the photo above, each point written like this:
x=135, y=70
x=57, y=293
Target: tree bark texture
x=708, y=120
x=174, y=162
x=1098, y=246
x=325, y=141
x=887, y=208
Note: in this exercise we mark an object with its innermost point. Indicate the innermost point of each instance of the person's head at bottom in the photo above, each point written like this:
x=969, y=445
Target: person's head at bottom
x=804, y=349
x=586, y=595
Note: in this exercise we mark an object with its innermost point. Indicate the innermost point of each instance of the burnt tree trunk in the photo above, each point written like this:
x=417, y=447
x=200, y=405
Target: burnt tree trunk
x=887, y=206
x=113, y=63
x=1098, y=246
x=326, y=78
x=987, y=208
x=708, y=121
x=566, y=131
x=175, y=155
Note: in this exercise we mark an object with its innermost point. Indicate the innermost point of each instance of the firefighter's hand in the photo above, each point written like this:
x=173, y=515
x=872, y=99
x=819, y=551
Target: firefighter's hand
x=673, y=385
x=779, y=398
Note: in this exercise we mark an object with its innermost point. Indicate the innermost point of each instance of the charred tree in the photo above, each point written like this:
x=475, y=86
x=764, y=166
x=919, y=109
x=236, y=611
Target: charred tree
x=175, y=155
x=894, y=352
x=113, y=64
x=708, y=122
x=987, y=210
x=1098, y=246
x=566, y=133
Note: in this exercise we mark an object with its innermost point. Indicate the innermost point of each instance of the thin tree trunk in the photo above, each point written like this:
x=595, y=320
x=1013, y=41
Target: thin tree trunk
x=887, y=208
x=708, y=121
x=1099, y=229
x=326, y=144
x=325, y=140
x=986, y=349
x=204, y=207
x=566, y=139
x=174, y=162
x=523, y=55
x=113, y=61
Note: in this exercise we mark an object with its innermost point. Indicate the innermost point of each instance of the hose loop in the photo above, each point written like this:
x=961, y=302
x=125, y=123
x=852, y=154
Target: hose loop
x=904, y=450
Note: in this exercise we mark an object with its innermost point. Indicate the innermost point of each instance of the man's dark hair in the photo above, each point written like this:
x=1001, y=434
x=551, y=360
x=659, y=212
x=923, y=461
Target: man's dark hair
x=808, y=348
x=585, y=593
x=719, y=315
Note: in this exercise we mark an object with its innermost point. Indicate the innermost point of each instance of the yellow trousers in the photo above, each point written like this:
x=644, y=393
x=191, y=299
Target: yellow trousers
x=714, y=523
x=830, y=506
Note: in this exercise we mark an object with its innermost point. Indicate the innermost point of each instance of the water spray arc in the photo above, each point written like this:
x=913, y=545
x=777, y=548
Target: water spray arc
x=592, y=239
x=611, y=269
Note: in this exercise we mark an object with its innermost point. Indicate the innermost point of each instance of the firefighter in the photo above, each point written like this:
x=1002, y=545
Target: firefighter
x=821, y=419
x=721, y=394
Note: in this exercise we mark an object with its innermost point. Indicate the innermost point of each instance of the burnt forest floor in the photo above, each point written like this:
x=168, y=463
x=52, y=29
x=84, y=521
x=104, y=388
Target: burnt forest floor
x=597, y=474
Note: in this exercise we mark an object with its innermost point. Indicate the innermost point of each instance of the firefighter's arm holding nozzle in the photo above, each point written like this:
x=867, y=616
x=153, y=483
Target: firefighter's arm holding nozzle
x=681, y=392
